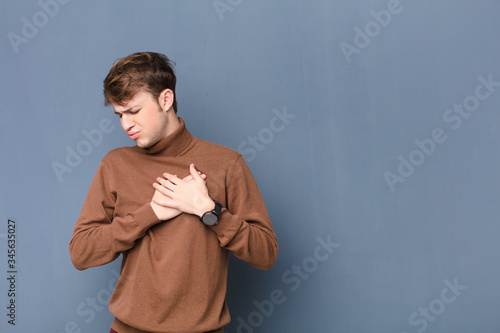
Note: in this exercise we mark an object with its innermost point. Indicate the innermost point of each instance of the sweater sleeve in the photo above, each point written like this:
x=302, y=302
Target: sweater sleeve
x=99, y=236
x=244, y=227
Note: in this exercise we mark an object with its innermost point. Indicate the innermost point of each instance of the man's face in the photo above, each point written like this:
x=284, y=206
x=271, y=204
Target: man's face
x=143, y=119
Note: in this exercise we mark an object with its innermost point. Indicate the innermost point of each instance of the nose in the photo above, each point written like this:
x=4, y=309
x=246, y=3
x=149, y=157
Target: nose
x=127, y=122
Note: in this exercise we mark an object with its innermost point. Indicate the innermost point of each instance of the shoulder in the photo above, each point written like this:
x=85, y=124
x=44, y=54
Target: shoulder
x=215, y=149
x=119, y=154
x=220, y=157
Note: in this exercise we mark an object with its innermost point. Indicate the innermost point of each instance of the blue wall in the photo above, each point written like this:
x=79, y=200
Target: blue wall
x=370, y=126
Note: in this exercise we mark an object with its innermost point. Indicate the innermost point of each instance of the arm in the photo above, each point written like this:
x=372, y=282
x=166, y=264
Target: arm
x=98, y=236
x=244, y=226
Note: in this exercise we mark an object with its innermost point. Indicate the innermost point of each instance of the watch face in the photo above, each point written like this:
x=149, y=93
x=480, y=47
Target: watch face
x=210, y=218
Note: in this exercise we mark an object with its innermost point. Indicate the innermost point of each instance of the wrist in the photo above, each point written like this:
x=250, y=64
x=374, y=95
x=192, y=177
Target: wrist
x=211, y=217
x=154, y=207
x=205, y=206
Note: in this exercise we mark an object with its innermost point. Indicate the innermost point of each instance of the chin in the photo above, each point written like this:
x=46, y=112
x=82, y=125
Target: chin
x=145, y=143
x=141, y=144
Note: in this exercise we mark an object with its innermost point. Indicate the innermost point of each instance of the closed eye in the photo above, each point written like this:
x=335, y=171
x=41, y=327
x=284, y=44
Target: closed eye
x=120, y=114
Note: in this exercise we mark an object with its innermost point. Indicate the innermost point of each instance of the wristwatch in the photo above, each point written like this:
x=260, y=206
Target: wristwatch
x=212, y=216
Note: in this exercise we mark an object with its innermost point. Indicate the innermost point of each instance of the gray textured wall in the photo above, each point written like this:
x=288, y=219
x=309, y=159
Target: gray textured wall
x=371, y=127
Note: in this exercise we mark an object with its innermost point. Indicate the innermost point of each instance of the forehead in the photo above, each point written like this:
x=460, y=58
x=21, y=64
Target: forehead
x=141, y=98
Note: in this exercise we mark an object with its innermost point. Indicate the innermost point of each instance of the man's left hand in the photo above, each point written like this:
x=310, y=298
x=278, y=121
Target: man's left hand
x=187, y=196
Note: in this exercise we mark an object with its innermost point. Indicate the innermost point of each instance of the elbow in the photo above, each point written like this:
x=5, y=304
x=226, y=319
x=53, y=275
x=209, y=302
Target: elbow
x=265, y=266
x=268, y=260
x=79, y=265
x=76, y=258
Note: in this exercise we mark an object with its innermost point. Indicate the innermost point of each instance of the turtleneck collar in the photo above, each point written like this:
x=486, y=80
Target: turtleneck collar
x=173, y=144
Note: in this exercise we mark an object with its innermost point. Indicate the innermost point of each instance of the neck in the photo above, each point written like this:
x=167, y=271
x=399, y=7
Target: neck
x=172, y=122
x=172, y=145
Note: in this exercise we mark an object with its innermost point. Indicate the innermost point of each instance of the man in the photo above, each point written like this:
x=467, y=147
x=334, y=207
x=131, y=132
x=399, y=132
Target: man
x=173, y=205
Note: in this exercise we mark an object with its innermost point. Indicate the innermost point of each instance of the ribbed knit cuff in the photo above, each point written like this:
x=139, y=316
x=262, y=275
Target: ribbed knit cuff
x=145, y=217
x=227, y=227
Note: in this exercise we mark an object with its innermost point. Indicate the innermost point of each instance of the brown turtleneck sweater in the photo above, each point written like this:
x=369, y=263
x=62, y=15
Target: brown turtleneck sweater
x=173, y=274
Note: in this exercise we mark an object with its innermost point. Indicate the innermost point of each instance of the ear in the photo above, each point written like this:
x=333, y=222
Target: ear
x=166, y=99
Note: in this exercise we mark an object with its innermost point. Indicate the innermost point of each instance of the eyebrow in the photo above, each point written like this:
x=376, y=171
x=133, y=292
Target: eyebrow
x=126, y=110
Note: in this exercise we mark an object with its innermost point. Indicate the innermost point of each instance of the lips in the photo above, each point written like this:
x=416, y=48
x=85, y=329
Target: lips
x=133, y=135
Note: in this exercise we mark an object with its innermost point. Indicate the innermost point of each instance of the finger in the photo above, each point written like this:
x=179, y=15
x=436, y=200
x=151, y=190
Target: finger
x=164, y=203
x=170, y=183
x=188, y=178
x=194, y=172
x=164, y=187
x=172, y=178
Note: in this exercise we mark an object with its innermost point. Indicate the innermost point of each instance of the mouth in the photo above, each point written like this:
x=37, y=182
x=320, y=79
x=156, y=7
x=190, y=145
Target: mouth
x=133, y=135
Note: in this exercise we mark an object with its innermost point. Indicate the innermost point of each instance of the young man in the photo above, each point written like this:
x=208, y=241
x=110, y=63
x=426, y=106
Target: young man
x=173, y=205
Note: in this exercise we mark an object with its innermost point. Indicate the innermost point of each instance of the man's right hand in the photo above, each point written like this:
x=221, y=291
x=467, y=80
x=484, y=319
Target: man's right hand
x=167, y=213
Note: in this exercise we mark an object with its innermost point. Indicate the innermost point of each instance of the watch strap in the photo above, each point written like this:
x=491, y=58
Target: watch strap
x=211, y=217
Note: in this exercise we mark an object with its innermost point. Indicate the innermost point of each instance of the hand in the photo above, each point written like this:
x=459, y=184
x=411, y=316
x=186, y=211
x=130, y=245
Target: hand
x=189, y=196
x=166, y=213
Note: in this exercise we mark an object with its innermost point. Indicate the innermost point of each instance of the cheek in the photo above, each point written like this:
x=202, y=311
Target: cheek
x=152, y=123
